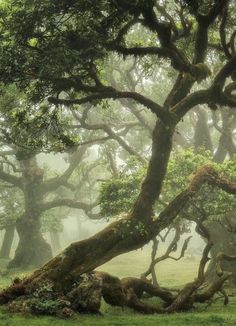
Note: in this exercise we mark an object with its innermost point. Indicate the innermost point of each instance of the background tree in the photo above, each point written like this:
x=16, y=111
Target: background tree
x=20, y=169
x=11, y=205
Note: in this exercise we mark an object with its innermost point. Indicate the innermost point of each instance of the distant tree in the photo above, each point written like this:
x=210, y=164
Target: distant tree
x=19, y=169
x=11, y=206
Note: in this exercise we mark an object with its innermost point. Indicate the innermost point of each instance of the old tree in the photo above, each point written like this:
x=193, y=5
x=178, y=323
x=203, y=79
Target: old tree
x=58, y=50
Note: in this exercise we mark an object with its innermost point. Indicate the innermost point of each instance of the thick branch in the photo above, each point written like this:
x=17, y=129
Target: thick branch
x=54, y=183
x=67, y=202
x=115, y=94
x=10, y=179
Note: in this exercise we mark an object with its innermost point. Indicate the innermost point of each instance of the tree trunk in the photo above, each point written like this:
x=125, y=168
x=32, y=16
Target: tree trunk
x=55, y=241
x=7, y=242
x=202, y=138
x=32, y=249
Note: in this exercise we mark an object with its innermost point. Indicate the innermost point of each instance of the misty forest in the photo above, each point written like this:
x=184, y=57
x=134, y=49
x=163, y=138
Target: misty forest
x=117, y=162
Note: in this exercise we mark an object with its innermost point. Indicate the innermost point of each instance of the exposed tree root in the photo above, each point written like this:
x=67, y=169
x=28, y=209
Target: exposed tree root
x=86, y=291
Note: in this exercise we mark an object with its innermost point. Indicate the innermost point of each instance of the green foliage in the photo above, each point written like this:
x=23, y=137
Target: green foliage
x=118, y=194
x=46, y=40
x=33, y=128
x=182, y=165
x=215, y=203
x=11, y=206
x=198, y=6
x=45, y=302
x=44, y=307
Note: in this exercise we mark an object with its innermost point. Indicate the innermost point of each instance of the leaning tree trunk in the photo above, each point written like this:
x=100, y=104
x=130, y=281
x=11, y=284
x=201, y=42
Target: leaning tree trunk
x=139, y=227
x=63, y=278
x=119, y=237
x=7, y=242
x=126, y=234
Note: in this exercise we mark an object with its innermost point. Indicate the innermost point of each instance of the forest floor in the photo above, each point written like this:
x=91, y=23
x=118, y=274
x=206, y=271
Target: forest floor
x=170, y=274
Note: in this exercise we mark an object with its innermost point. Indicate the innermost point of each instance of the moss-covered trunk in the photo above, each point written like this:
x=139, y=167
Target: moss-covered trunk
x=62, y=277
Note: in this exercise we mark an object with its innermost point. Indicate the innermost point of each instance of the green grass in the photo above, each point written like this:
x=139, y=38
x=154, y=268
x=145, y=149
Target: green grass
x=214, y=316
x=170, y=273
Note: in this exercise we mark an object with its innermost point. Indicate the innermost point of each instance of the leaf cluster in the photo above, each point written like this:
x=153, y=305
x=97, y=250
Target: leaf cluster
x=118, y=194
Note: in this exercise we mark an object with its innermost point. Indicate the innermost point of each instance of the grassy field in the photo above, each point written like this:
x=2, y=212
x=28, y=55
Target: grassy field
x=170, y=273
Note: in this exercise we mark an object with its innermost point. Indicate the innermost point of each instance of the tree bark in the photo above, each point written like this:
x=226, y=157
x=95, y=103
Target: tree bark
x=7, y=242
x=152, y=184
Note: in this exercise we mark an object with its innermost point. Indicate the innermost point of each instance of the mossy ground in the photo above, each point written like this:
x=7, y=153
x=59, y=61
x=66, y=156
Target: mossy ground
x=171, y=274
